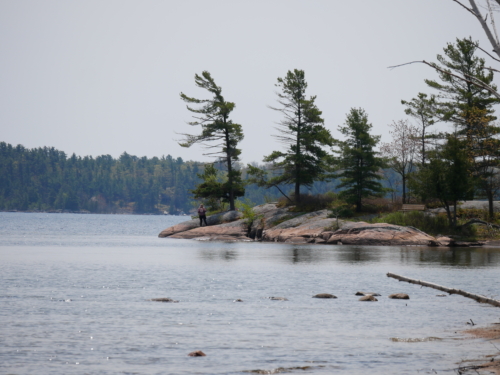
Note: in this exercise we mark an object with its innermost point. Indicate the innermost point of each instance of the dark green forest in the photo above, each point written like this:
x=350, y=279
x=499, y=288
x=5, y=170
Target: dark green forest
x=46, y=179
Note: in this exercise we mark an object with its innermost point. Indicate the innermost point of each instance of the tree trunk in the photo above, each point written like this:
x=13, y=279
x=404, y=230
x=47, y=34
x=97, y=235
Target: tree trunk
x=404, y=188
x=297, y=157
x=476, y=297
x=491, y=213
x=229, y=170
x=454, y=214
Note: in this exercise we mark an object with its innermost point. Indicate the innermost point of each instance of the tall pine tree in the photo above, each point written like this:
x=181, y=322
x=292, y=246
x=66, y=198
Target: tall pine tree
x=216, y=127
x=358, y=161
x=302, y=132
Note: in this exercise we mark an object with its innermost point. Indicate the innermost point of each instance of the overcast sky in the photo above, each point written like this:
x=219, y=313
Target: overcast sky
x=104, y=77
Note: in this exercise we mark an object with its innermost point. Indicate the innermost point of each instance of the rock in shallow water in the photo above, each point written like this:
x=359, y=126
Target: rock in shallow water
x=366, y=294
x=278, y=299
x=368, y=298
x=324, y=295
x=197, y=353
x=164, y=300
x=399, y=296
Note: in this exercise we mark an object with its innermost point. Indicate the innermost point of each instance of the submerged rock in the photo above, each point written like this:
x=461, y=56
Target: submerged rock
x=324, y=295
x=164, y=300
x=197, y=353
x=399, y=296
x=278, y=299
x=368, y=298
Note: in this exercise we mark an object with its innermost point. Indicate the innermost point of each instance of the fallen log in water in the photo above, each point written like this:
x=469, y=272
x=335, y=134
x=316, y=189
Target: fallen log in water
x=476, y=297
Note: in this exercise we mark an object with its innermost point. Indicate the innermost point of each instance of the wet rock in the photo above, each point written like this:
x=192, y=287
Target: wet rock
x=379, y=234
x=444, y=241
x=197, y=353
x=324, y=295
x=278, y=299
x=234, y=231
x=367, y=294
x=399, y=296
x=164, y=300
x=368, y=298
x=301, y=229
x=224, y=217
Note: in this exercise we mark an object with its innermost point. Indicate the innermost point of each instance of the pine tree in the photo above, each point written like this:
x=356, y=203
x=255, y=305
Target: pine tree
x=358, y=161
x=302, y=132
x=216, y=127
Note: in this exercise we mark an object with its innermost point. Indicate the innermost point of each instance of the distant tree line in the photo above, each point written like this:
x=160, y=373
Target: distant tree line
x=47, y=179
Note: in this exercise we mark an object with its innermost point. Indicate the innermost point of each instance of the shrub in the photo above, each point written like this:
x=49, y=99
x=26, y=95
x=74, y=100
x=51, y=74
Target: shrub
x=426, y=223
x=309, y=203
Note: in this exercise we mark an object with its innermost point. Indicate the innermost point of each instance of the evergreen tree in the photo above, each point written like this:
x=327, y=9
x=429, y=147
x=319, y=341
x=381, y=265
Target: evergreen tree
x=213, y=117
x=302, y=132
x=457, y=96
x=358, y=161
x=470, y=108
x=446, y=177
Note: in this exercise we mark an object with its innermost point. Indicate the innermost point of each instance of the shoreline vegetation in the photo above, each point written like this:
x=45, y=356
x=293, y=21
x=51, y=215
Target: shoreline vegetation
x=275, y=222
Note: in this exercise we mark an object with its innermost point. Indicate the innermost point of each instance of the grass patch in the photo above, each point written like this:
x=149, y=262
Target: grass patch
x=430, y=224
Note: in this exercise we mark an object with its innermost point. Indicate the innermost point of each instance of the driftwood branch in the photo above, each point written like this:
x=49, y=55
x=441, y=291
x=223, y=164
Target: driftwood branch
x=476, y=297
x=477, y=221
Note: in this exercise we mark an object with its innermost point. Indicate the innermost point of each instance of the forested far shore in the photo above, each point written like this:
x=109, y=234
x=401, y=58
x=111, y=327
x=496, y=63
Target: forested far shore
x=46, y=179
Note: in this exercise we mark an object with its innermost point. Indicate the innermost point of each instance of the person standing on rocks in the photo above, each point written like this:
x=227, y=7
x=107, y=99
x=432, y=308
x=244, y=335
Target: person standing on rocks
x=202, y=215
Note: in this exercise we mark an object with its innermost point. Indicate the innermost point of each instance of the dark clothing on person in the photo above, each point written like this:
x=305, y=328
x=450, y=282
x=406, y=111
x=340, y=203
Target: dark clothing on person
x=202, y=216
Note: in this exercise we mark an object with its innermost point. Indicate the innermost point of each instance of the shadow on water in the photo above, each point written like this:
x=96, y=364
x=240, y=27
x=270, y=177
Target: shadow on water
x=227, y=255
x=458, y=257
x=407, y=255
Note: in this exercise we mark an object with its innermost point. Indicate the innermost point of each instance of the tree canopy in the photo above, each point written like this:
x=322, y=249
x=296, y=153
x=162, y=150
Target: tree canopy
x=358, y=161
x=218, y=133
x=303, y=134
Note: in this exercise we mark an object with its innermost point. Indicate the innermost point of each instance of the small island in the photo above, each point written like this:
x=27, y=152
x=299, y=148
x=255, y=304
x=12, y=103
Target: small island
x=272, y=223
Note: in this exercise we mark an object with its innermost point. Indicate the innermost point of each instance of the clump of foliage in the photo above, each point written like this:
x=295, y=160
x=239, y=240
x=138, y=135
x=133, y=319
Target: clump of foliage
x=475, y=213
x=430, y=224
x=215, y=190
x=308, y=202
x=341, y=209
x=249, y=215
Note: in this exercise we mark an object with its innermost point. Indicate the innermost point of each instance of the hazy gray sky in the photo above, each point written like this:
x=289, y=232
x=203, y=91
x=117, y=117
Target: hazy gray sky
x=104, y=77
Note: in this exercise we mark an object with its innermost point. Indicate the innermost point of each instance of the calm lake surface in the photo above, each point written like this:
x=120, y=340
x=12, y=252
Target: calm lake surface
x=75, y=291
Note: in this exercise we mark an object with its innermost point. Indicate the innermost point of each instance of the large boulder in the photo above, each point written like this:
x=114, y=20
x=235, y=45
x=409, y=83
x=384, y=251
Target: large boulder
x=234, y=231
x=381, y=234
x=301, y=229
x=224, y=217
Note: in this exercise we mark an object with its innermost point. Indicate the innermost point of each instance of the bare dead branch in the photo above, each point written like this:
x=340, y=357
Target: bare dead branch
x=475, y=297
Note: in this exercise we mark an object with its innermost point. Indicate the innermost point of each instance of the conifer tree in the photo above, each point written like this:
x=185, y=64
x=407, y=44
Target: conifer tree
x=302, y=132
x=358, y=161
x=217, y=131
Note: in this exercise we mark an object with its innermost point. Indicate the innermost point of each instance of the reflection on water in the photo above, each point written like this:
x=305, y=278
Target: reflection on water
x=322, y=254
x=219, y=254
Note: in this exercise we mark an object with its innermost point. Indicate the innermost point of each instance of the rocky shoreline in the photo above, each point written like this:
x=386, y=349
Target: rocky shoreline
x=274, y=224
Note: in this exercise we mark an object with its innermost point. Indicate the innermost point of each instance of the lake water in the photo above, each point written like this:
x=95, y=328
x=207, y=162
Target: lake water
x=75, y=291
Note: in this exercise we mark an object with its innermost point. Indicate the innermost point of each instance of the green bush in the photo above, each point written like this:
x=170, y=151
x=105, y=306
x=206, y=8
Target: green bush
x=426, y=223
